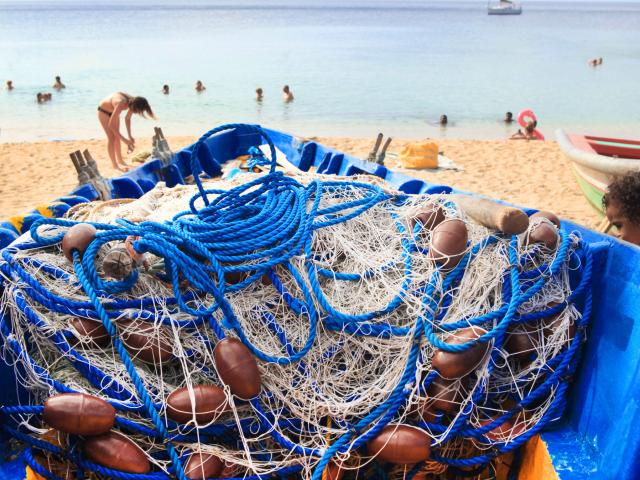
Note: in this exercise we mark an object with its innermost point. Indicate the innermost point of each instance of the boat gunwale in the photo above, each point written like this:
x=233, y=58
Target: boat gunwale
x=579, y=153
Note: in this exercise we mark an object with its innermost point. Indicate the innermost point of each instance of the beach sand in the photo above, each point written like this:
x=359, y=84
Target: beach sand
x=532, y=174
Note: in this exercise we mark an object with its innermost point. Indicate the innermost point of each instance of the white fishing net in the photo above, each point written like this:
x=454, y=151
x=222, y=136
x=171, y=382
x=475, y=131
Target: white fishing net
x=342, y=378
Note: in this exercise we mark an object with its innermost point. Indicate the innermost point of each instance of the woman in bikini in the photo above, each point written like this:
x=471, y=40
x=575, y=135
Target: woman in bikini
x=109, y=112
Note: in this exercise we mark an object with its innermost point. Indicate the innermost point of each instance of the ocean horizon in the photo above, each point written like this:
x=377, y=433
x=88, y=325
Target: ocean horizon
x=355, y=67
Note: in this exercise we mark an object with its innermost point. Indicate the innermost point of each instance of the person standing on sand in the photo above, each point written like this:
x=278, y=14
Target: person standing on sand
x=9, y=85
x=109, y=111
x=58, y=85
x=200, y=87
x=287, y=94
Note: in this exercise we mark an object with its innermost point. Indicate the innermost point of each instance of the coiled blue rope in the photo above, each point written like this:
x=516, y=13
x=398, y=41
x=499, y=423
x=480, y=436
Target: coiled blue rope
x=267, y=222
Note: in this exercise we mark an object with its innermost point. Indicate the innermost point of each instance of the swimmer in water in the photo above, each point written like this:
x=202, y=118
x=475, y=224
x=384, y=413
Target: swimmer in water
x=508, y=118
x=622, y=206
x=109, y=110
x=444, y=120
x=9, y=85
x=39, y=97
x=200, y=87
x=165, y=89
x=528, y=132
x=259, y=94
x=58, y=85
x=287, y=94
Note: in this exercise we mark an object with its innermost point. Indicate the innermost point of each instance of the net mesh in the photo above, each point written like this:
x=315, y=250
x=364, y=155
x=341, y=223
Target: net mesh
x=363, y=300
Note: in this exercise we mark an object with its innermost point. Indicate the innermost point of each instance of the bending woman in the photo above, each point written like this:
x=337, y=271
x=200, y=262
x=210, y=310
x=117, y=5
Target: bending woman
x=109, y=112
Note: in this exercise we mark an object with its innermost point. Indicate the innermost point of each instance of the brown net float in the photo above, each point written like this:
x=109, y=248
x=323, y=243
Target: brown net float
x=202, y=466
x=202, y=402
x=552, y=217
x=430, y=215
x=401, y=444
x=116, y=451
x=448, y=243
x=90, y=332
x=146, y=343
x=118, y=263
x=237, y=368
x=78, y=238
x=78, y=414
x=453, y=365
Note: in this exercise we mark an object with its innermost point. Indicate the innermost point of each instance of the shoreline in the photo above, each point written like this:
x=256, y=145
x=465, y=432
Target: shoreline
x=531, y=174
x=464, y=129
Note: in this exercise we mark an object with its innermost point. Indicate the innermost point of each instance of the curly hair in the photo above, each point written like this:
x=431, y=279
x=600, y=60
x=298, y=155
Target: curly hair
x=625, y=193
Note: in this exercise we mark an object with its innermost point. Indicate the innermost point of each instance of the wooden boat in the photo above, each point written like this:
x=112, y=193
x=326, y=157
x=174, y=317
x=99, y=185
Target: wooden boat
x=597, y=436
x=597, y=161
x=505, y=7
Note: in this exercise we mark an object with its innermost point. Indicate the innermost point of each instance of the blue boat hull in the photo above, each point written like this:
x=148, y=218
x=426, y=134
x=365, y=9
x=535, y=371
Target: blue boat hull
x=598, y=437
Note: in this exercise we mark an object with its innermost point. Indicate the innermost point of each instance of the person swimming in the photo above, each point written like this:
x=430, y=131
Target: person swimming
x=622, y=206
x=259, y=94
x=165, y=89
x=528, y=132
x=287, y=94
x=9, y=85
x=200, y=87
x=444, y=120
x=109, y=111
x=39, y=97
x=508, y=118
x=58, y=85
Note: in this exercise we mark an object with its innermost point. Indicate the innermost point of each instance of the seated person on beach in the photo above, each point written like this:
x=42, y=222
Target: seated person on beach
x=259, y=94
x=9, y=85
x=165, y=89
x=444, y=120
x=508, y=118
x=200, y=87
x=622, y=206
x=528, y=132
x=109, y=111
x=58, y=85
x=287, y=94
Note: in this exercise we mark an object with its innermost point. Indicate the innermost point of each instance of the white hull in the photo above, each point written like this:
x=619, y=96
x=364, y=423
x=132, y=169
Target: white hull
x=504, y=10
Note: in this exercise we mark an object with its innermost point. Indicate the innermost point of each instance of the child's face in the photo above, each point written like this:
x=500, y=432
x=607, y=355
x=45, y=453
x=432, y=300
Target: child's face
x=627, y=230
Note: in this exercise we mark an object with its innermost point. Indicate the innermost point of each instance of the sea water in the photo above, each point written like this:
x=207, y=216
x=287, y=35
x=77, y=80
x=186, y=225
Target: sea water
x=356, y=67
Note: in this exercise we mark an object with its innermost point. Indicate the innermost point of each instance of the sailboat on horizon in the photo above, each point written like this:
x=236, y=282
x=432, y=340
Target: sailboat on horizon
x=504, y=7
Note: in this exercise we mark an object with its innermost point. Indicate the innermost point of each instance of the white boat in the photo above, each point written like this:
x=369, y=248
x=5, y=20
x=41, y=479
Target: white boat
x=505, y=7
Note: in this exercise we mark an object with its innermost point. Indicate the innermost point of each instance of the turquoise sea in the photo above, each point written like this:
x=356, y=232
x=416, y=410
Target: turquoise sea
x=356, y=67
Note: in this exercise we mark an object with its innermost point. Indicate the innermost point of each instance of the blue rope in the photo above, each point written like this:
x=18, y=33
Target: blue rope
x=250, y=230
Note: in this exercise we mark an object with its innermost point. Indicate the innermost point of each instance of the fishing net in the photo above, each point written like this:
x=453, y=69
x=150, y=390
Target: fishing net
x=376, y=355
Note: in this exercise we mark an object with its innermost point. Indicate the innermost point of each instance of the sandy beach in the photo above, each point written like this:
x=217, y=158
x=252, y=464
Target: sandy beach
x=533, y=174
